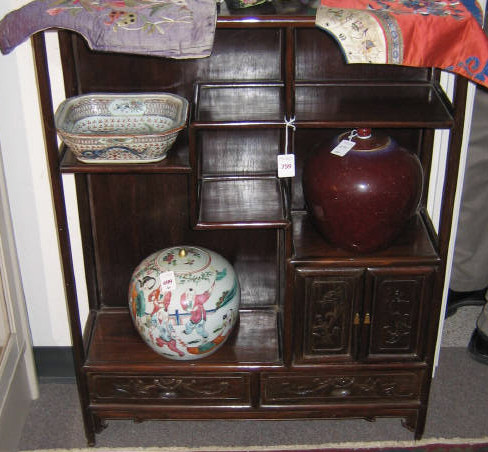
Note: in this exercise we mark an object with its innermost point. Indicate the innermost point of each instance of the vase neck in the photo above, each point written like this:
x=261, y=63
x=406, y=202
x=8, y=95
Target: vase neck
x=364, y=133
x=366, y=140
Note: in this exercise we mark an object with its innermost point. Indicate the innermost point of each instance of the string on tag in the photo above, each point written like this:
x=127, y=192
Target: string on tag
x=345, y=145
x=290, y=124
x=354, y=133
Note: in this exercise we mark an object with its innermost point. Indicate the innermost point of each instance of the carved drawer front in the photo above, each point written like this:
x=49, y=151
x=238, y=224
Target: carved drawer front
x=318, y=389
x=204, y=389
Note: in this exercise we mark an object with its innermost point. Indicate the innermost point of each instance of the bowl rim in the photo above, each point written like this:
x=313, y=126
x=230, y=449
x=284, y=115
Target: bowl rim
x=66, y=104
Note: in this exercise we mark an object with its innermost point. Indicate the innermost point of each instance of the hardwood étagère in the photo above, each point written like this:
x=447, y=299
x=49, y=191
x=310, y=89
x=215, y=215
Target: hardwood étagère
x=323, y=333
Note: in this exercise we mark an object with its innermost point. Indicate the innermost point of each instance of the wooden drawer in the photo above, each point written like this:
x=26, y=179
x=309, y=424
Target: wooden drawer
x=313, y=388
x=172, y=389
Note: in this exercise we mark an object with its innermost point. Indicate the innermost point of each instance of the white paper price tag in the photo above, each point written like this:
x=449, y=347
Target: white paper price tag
x=343, y=148
x=167, y=281
x=286, y=165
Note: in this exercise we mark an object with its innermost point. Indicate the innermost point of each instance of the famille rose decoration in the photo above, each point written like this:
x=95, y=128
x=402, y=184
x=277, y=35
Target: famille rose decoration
x=361, y=189
x=184, y=301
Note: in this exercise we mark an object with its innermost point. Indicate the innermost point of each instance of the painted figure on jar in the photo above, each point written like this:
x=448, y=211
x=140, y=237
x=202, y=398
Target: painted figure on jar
x=159, y=300
x=190, y=301
x=162, y=331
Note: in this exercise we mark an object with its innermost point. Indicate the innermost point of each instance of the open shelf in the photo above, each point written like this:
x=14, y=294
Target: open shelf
x=276, y=13
x=231, y=104
x=371, y=105
x=176, y=161
x=412, y=246
x=116, y=346
x=238, y=152
x=323, y=105
x=241, y=202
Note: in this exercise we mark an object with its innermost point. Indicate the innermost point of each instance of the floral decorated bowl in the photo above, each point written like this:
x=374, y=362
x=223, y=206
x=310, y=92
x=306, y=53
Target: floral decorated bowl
x=184, y=301
x=121, y=128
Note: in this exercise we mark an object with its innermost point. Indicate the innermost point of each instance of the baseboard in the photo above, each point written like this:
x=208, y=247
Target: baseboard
x=15, y=407
x=54, y=364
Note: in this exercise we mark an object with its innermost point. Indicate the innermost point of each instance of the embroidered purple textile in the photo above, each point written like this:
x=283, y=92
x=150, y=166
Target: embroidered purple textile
x=165, y=28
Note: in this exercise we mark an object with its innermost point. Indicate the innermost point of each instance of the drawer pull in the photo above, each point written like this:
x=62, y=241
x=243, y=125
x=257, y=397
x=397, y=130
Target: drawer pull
x=357, y=319
x=340, y=392
x=367, y=319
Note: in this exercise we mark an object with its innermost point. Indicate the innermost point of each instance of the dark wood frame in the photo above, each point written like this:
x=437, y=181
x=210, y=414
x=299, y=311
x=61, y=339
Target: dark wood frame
x=259, y=381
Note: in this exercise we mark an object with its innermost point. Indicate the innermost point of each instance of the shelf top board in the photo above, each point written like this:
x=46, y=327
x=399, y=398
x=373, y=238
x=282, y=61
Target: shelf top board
x=117, y=345
x=412, y=246
x=396, y=105
x=241, y=202
x=177, y=161
x=278, y=12
x=239, y=103
x=376, y=104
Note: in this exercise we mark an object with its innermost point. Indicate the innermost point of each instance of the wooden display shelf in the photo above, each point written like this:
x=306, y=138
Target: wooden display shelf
x=276, y=13
x=235, y=104
x=323, y=105
x=367, y=105
x=241, y=203
x=116, y=346
x=268, y=65
x=413, y=246
x=238, y=152
x=176, y=161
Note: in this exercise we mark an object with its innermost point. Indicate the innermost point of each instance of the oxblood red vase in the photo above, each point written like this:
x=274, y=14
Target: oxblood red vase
x=361, y=201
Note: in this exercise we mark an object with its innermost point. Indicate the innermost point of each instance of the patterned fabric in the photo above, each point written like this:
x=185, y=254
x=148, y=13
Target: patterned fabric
x=168, y=28
x=424, y=33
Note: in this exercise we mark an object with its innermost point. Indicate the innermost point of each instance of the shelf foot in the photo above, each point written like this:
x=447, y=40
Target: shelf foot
x=99, y=424
x=90, y=439
x=410, y=423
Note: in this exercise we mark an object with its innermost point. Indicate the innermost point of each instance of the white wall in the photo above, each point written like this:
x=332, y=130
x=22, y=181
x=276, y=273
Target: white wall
x=29, y=191
x=28, y=187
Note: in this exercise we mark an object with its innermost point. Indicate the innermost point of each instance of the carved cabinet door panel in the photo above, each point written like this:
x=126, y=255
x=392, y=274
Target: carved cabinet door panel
x=326, y=307
x=395, y=318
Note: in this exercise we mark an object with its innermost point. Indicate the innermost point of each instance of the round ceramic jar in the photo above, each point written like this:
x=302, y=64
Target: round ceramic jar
x=184, y=301
x=361, y=200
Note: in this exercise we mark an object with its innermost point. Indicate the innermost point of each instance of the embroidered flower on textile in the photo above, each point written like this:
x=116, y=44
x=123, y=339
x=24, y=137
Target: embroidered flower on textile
x=75, y=6
x=472, y=68
x=134, y=15
x=423, y=7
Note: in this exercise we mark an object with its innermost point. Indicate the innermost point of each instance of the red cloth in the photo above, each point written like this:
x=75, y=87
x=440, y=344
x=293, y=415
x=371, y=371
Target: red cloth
x=446, y=34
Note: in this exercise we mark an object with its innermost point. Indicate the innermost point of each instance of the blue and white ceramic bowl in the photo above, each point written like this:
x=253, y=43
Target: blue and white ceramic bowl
x=121, y=128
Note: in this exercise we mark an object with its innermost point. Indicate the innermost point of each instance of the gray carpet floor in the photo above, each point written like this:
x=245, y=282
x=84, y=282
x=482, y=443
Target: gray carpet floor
x=458, y=409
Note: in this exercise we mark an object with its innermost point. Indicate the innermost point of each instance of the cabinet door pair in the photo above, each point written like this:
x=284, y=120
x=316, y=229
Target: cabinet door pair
x=361, y=314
